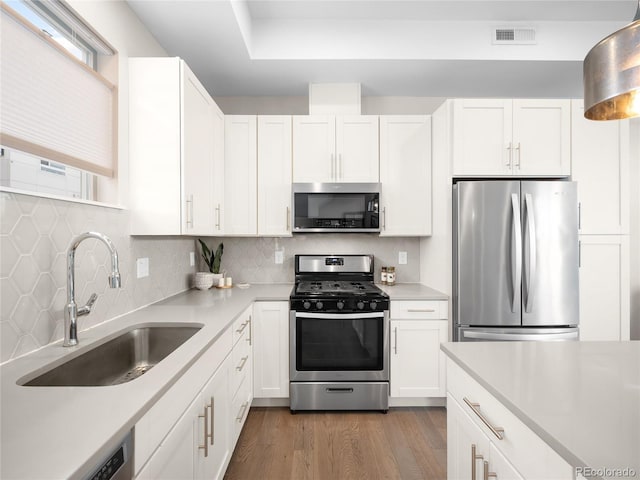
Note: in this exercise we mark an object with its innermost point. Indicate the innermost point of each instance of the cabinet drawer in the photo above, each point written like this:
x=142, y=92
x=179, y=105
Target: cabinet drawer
x=241, y=361
x=419, y=309
x=242, y=324
x=528, y=453
x=240, y=408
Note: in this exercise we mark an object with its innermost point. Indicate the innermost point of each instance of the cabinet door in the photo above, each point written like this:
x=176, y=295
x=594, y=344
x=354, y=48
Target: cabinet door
x=274, y=175
x=604, y=287
x=271, y=350
x=240, y=174
x=218, y=170
x=314, y=148
x=482, y=137
x=463, y=438
x=600, y=165
x=357, y=148
x=216, y=398
x=177, y=455
x=405, y=174
x=197, y=156
x=499, y=465
x=417, y=364
x=541, y=137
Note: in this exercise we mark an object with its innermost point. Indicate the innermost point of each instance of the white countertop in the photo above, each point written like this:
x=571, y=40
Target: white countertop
x=412, y=291
x=62, y=432
x=581, y=398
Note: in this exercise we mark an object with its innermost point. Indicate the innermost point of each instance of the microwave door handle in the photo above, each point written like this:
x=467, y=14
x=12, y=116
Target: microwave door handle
x=516, y=250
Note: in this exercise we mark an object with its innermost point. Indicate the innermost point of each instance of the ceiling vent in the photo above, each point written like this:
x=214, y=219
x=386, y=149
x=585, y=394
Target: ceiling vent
x=514, y=36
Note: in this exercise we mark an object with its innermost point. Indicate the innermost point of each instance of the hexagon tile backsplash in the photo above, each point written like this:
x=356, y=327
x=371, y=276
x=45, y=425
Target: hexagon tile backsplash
x=35, y=234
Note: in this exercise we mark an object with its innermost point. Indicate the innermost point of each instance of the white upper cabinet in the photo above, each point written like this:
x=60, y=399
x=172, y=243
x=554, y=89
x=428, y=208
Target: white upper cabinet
x=240, y=174
x=405, y=174
x=172, y=141
x=217, y=199
x=511, y=137
x=335, y=149
x=600, y=165
x=274, y=175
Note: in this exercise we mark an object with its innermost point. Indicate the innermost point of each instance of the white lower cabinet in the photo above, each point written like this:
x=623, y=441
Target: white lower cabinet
x=192, y=430
x=475, y=451
x=417, y=364
x=271, y=350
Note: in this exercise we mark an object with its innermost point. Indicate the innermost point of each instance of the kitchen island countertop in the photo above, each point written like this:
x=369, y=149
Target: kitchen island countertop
x=581, y=398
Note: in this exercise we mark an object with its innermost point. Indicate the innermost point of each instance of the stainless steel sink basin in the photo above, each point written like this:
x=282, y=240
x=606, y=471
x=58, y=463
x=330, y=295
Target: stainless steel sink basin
x=121, y=359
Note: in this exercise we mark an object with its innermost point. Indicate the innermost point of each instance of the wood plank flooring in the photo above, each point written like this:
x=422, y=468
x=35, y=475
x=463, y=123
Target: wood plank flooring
x=406, y=443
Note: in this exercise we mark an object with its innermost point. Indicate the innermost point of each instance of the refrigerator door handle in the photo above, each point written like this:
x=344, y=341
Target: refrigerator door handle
x=516, y=337
x=516, y=252
x=532, y=254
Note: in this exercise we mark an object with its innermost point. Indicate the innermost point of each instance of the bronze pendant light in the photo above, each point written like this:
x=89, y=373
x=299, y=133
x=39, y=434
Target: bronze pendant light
x=612, y=75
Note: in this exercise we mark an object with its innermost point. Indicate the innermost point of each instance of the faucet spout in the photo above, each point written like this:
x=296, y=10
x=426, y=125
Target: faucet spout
x=72, y=311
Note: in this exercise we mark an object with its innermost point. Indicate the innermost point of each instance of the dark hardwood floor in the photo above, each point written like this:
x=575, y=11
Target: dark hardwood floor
x=406, y=443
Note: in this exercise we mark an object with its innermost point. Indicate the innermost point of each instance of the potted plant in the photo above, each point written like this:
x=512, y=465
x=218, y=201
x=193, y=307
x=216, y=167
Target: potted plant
x=212, y=259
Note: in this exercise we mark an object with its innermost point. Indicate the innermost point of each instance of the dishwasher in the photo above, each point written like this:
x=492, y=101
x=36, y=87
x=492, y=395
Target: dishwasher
x=117, y=464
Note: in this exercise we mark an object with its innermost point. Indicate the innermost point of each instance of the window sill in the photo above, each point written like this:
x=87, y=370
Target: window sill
x=61, y=198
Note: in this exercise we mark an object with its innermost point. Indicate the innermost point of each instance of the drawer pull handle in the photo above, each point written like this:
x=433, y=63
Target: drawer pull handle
x=242, y=327
x=243, y=408
x=205, y=447
x=421, y=310
x=242, y=363
x=497, y=431
x=249, y=334
x=487, y=473
x=339, y=390
x=474, y=457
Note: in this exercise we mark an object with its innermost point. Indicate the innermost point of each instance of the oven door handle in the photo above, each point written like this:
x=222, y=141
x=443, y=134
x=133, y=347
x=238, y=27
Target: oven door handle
x=339, y=316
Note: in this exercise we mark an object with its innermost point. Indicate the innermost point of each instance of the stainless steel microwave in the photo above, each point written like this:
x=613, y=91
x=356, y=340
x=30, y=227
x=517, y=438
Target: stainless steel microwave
x=336, y=207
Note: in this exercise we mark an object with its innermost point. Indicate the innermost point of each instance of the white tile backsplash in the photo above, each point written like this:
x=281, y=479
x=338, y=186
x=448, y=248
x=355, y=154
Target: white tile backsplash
x=35, y=233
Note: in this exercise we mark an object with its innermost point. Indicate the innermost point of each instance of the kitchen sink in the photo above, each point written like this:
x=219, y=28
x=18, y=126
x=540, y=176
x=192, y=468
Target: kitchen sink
x=120, y=360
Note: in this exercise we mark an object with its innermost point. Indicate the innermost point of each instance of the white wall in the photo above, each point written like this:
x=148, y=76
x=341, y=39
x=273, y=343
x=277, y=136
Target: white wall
x=117, y=23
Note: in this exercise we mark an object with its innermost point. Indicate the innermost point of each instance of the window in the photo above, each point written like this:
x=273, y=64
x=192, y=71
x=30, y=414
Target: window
x=58, y=127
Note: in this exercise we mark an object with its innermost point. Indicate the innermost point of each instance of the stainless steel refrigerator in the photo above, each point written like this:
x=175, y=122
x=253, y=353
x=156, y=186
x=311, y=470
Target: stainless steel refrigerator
x=515, y=260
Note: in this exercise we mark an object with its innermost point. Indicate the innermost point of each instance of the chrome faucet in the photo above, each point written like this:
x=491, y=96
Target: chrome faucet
x=72, y=312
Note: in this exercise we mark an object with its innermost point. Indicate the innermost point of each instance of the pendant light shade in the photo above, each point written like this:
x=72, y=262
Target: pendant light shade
x=612, y=75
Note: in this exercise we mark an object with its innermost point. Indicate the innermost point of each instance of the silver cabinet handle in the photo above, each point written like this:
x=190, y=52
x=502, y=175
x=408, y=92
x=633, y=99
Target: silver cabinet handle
x=516, y=256
x=249, y=339
x=212, y=421
x=243, y=408
x=395, y=340
x=509, y=158
x=242, y=327
x=333, y=167
x=340, y=174
x=487, y=473
x=420, y=310
x=189, y=211
x=218, y=217
x=474, y=458
x=579, y=254
x=517, y=165
x=384, y=218
x=532, y=257
x=242, y=363
x=579, y=215
x=497, y=431
x=205, y=447
x=288, y=219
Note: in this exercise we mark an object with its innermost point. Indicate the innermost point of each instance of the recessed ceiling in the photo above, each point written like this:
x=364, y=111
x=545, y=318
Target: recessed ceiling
x=414, y=48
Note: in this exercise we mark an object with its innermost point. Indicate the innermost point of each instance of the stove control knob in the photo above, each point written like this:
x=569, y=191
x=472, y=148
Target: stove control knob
x=340, y=305
x=319, y=305
x=373, y=305
x=360, y=305
x=306, y=305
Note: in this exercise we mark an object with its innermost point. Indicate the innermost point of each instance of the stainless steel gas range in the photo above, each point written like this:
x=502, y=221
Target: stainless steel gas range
x=339, y=335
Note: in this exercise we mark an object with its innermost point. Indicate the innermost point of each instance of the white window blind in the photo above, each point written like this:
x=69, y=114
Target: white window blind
x=51, y=104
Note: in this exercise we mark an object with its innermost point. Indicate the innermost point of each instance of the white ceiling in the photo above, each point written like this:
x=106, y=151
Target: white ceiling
x=434, y=48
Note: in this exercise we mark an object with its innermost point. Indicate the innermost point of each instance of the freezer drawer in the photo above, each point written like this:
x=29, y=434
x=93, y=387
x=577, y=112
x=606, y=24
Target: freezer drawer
x=465, y=334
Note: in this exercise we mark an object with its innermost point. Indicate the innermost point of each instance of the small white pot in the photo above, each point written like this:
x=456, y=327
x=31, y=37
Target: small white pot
x=203, y=280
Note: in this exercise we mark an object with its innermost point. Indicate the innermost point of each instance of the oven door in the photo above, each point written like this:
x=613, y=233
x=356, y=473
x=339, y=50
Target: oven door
x=339, y=346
